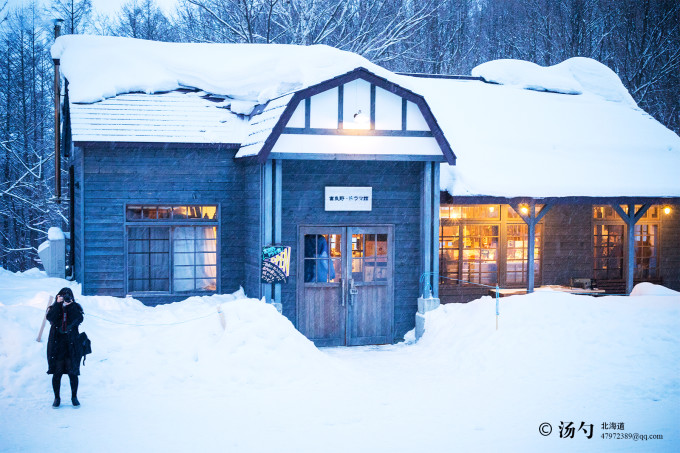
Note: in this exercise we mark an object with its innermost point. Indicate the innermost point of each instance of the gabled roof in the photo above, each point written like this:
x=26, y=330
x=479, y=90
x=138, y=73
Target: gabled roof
x=262, y=124
x=265, y=128
x=183, y=116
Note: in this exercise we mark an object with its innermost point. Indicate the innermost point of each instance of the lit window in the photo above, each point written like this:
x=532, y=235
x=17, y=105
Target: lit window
x=485, y=244
x=609, y=244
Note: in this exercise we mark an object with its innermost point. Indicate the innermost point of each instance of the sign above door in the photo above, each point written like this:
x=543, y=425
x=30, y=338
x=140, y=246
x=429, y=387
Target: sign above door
x=348, y=198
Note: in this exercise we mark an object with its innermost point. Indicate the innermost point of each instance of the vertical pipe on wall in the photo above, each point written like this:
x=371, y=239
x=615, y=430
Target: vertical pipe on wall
x=57, y=119
x=435, y=228
x=267, y=217
x=278, y=188
x=426, y=223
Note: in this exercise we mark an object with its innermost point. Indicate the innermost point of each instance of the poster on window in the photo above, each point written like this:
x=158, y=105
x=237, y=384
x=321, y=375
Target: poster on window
x=275, y=264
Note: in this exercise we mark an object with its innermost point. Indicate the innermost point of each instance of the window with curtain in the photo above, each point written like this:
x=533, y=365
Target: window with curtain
x=172, y=249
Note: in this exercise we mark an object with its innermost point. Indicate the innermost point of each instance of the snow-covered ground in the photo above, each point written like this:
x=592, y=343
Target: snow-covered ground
x=170, y=379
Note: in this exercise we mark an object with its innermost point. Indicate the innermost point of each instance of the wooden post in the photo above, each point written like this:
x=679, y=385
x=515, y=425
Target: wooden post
x=223, y=322
x=630, y=258
x=530, y=247
x=630, y=218
x=532, y=219
x=42, y=326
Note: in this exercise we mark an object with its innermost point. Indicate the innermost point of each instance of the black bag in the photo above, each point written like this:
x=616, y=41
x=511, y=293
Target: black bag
x=85, y=345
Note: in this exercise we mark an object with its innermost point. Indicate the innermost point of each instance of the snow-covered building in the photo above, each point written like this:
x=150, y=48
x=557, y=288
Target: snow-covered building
x=189, y=160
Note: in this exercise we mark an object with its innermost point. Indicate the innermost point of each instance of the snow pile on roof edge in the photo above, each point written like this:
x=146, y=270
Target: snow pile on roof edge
x=576, y=75
x=99, y=67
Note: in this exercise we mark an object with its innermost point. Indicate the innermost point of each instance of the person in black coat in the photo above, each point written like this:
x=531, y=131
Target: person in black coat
x=63, y=351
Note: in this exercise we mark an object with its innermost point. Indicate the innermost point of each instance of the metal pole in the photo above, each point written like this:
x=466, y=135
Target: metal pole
x=57, y=119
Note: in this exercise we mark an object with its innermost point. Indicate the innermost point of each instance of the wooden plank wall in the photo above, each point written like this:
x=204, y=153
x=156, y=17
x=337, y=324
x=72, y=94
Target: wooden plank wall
x=669, y=253
x=252, y=228
x=170, y=174
x=396, y=200
x=567, y=243
x=77, y=163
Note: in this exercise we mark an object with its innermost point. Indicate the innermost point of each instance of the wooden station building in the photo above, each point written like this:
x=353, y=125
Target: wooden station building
x=178, y=193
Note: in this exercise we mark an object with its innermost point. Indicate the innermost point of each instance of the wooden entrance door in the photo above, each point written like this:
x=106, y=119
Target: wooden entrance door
x=370, y=301
x=345, y=285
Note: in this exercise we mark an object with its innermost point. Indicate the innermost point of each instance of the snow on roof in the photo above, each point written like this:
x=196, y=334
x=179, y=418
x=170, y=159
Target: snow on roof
x=509, y=141
x=514, y=142
x=174, y=117
x=573, y=76
x=100, y=67
x=261, y=125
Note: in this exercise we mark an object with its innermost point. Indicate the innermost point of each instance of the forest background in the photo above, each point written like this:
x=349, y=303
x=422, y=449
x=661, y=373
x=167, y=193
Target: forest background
x=638, y=39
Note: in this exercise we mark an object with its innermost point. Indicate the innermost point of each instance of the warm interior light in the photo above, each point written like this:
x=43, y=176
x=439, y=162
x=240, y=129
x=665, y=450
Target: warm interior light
x=524, y=209
x=492, y=208
x=666, y=210
x=360, y=118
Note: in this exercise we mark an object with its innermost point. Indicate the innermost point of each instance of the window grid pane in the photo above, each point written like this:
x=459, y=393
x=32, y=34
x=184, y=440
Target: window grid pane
x=194, y=255
x=517, y=237
x=148, y=258
x=150, y=213
x=646, y=251
x=478, y=241
x=608, y=252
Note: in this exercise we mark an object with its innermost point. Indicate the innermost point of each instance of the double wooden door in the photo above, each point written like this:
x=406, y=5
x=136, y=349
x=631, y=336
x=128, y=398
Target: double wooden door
x=345, y=285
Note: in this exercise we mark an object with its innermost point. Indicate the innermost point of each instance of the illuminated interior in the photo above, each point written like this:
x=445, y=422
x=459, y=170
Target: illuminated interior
x=485, y=244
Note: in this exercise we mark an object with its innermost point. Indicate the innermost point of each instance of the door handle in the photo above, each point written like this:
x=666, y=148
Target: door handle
x=344, y=295
x=353, y=291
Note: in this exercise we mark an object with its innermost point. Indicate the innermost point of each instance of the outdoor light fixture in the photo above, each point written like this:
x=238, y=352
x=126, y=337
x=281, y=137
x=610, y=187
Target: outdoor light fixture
x=666, y=209
x=360, y=118
x=525, y=209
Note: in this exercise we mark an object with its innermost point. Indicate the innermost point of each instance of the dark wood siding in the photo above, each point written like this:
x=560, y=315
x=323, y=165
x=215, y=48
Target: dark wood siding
x=396, y=200
x=77, y=162
x=669, y=253
x=252, y=227
x=567, y=243
x=172, y=174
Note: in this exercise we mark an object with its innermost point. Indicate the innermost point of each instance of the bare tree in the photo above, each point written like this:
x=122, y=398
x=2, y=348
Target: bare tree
x=75, y=13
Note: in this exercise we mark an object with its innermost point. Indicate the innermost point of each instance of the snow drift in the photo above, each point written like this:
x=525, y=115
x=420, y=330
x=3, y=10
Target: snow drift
x=144, y=347
x=168, y=378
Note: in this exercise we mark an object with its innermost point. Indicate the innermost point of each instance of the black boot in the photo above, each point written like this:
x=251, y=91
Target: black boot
x=56, y=383
x=74, y=389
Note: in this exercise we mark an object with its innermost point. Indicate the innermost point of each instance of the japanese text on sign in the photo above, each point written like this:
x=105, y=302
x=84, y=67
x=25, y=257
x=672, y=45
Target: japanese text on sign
x=348, y=198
